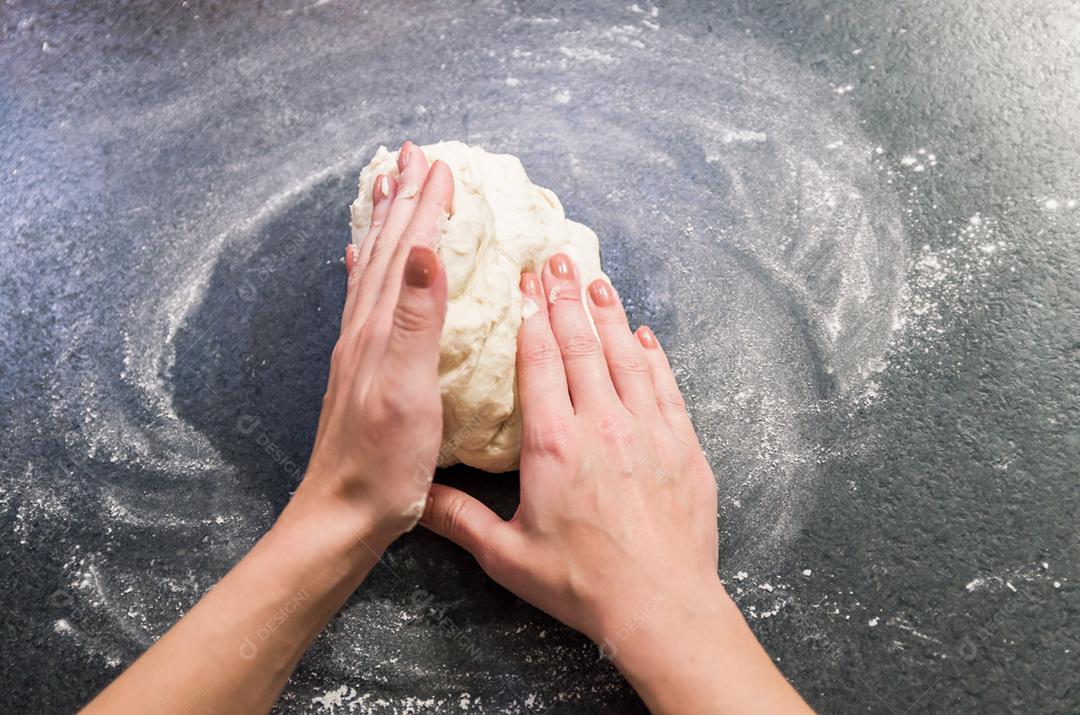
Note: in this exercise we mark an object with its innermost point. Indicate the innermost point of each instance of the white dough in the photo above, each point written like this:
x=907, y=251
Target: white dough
x=501, y=224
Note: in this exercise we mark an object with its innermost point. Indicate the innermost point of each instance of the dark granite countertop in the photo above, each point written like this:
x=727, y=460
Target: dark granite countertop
x=854, y=224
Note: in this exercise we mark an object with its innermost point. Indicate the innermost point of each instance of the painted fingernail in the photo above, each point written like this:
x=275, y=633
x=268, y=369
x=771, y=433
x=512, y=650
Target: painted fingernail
x=421, y=266
x=561, y=266
x=602, y=293
x=350, y=258
x=646, y=337
x=404, y=155
x=382, y=187
x=530, y=284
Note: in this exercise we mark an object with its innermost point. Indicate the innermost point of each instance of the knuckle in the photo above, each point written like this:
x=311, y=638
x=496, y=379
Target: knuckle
x=562, y=294
x=614, y=428
x=671, y=398
x=396, y=405
x=606, y=322
x=374, y=332
x=537, y=350
x=423, y=233
x=380, y=246
x=336, y=355
x=611, y=315
x=412, y=318
x=341, y=352
x=403, y=396
x=353, y=280
x=382, y=415
x=580, y=345
x=454, y=518
x=552, y=438
x=630, y=363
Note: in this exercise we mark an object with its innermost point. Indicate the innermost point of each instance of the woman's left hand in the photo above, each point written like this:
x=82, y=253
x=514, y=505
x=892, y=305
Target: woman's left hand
x=366, y=483
x=381, y=423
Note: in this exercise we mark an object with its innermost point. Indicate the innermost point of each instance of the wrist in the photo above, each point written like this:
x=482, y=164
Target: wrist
x=694, y=652
x=662, y=648
x=663, y=617
x=331, y=526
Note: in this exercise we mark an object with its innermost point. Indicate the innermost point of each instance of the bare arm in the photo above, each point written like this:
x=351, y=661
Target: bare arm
x=370, y=471
x=616, y=531
x=235, y=649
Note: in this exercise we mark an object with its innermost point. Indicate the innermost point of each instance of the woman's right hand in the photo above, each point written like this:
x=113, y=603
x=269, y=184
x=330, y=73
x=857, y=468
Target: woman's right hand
x=615, y=534
x=618, y=503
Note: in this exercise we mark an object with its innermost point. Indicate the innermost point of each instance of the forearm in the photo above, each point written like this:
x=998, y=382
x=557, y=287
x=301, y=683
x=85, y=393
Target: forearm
x=694, y=653
x=234, y=651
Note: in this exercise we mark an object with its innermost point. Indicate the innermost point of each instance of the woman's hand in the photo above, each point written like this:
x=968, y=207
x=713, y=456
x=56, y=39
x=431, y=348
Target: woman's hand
x=618, y=504
x=381, y=423
x=369, y=474
x=616, y=531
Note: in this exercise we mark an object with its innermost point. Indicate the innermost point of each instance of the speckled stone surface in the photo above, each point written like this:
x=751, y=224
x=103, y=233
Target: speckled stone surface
x=854, y=225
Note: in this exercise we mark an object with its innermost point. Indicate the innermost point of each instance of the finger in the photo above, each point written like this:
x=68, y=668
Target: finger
x=586, y=372
x=412, y=350
x=433, y=209
x=542, y=389
x=413, y=171
x=454, y=515
x=669, y=398
x=356, y=259
x=351, y=285
x=384, y=187
x=624, y=354
x=410, y=184
x=428, y=221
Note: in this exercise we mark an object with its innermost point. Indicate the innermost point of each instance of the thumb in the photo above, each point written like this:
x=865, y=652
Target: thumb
x=453, y=514
x=413, y=347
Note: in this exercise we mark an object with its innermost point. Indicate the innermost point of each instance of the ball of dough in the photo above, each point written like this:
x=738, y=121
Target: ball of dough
x=501, y=224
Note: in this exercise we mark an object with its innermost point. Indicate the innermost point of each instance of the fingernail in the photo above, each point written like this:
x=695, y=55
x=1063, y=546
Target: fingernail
x=561, y=266
x=350, y=258
x=404, y=155
x=382, y=187
x=602, y=293
x=420, y=267
x=646, y=337
x=530, y=284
